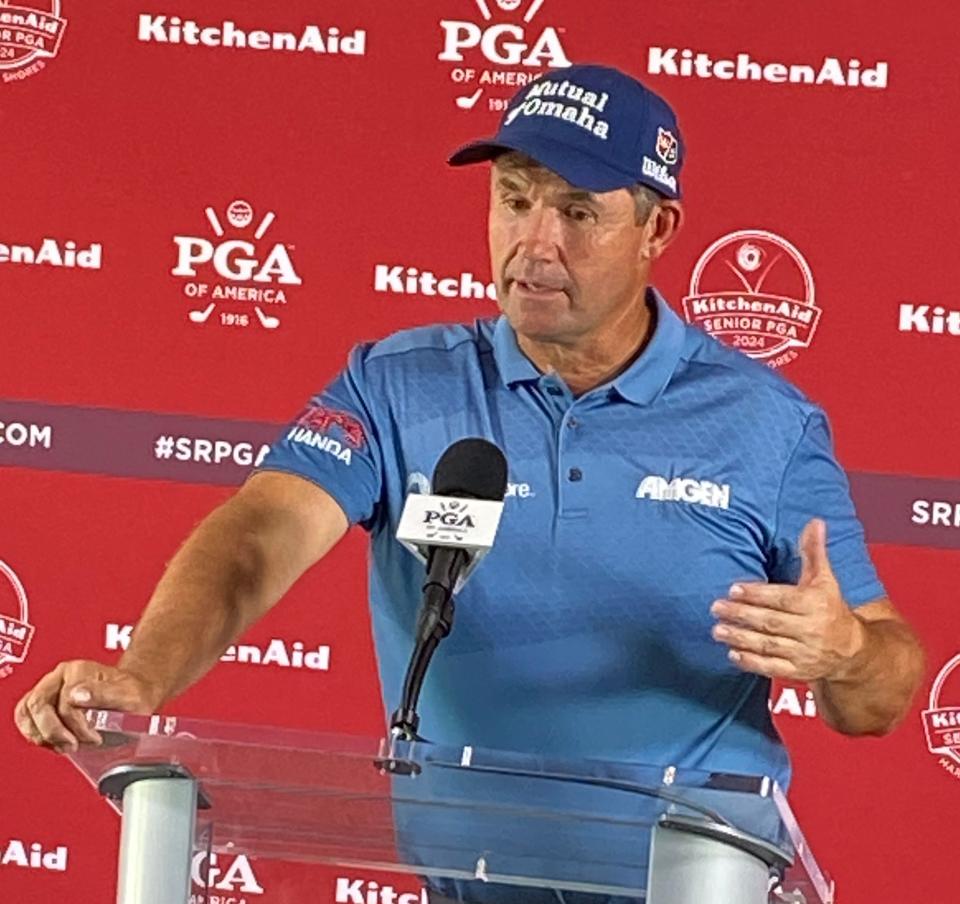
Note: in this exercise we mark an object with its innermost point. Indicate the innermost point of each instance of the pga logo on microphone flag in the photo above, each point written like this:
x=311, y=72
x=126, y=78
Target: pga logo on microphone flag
x=430, y=520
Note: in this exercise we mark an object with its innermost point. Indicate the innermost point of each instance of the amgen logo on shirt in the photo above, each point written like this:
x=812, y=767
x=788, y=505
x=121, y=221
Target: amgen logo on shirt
x=684, y=489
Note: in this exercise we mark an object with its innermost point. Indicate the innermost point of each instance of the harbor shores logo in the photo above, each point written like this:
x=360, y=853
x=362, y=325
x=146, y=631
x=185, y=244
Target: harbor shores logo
x=16, y=632
x=941, y=721
x=30, y=34
x=242, y=272
x=753, y=290
x=505, y=50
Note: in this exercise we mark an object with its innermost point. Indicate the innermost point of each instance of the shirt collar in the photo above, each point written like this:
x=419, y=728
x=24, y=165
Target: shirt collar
x=640, y=383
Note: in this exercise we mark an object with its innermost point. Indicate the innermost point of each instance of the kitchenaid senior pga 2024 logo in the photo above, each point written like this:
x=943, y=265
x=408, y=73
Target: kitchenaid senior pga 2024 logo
x=753, y=290
x=507, y=48
x=241, y=277
x=30, y=34
x=16, y=632
x=941, y=718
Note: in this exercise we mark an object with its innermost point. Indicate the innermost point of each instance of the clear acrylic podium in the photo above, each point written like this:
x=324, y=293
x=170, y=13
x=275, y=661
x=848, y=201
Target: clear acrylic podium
x=475, y=824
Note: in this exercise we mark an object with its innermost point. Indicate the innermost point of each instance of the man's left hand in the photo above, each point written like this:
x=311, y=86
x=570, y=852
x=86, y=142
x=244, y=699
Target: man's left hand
x=801, y=633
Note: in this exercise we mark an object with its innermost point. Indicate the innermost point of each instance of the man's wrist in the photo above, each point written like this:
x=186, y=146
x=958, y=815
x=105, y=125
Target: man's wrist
x=151, y=692
x=853, y=653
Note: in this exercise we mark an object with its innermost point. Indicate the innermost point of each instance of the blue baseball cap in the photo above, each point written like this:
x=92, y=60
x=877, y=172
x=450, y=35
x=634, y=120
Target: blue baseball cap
x=595, y=126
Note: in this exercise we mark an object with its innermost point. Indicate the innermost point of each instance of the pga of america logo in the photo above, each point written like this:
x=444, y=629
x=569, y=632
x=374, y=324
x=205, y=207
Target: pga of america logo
x=232, y=877
x=941, y=720
x=505, y=50
x=16, y=632
x=754, y=290
x=452, y=521
x=30, y=34
x=236, y=272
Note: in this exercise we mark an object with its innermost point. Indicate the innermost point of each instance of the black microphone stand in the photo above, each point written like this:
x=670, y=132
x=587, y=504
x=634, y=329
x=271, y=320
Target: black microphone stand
x=444, y=564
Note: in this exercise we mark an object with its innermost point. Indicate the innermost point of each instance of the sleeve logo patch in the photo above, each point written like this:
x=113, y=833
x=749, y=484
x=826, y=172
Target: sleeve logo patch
x=322, y=420
x=314, y=425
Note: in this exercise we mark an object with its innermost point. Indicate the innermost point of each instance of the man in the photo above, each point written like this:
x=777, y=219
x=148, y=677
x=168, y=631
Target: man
x=679, y=531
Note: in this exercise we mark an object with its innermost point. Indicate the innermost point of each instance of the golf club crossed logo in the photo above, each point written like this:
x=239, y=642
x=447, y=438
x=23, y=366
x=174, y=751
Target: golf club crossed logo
x=248, y=271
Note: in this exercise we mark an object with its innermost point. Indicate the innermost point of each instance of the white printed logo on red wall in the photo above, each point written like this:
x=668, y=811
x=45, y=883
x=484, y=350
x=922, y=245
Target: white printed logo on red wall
x=277, y=651
x=941, y=718
x=754, y=290
x=226, y=34
x=16, y=632
x=397, y=279
x=15, y=852
x=792, y=701
x=236, y=273
x=687, y=62
x=52, y=252
x=351, y=890
x=507, y=48
x=223, y=878
x=30, y=34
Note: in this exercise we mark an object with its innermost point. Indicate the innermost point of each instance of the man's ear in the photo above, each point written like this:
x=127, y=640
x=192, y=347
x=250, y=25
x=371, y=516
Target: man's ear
x=661, y=228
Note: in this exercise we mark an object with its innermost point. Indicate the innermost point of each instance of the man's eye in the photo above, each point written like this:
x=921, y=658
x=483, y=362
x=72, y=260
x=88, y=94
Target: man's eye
x=579, y=214
x=516, y=204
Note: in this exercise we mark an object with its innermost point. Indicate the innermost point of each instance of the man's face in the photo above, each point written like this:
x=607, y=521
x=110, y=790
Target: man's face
x=566, y=262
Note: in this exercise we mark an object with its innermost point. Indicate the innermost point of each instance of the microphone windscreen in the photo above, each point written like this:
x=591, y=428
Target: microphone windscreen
x=471, y=467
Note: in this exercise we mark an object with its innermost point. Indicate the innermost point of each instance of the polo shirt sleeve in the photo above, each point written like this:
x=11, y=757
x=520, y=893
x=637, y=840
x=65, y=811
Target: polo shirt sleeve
x=815, y=486
x=334, y=443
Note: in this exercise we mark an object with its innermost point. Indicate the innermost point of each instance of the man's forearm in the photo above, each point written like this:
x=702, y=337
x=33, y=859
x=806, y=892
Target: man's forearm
x=873, y=692
x=209, y=594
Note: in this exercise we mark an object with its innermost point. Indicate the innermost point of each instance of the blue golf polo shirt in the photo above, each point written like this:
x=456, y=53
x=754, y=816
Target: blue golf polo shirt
x=585, y=632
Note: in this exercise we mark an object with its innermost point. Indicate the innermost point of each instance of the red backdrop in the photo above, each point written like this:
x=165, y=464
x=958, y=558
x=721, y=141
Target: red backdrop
x=154, y=332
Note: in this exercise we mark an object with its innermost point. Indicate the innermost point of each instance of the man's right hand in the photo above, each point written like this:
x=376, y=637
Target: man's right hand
x=51, y=714
x=239, y=561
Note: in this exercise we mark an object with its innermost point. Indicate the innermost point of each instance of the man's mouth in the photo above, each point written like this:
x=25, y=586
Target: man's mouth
x=531, y=287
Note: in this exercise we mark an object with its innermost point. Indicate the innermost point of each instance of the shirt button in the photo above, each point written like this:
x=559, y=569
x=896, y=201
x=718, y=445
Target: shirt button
x=573, y=423
x=575, y=474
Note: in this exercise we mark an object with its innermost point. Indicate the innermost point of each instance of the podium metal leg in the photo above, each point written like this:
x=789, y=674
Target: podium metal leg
x=692, y=861
x=156, y=840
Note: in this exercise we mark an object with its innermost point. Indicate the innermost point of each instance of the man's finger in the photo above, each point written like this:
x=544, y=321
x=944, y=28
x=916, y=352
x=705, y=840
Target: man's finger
x=76, y=721
x=783, y=597
x=52, y=731
x=118, y=692
x=25, y=723
x=815, y=563
x=746, y=641
x=760, y=618
x=37, y=718
x=769, y=666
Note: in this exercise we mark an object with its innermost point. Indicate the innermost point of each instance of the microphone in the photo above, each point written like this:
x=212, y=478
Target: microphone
x=450, y=529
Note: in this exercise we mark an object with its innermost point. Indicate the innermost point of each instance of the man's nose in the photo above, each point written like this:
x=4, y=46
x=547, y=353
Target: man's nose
x=541, y=233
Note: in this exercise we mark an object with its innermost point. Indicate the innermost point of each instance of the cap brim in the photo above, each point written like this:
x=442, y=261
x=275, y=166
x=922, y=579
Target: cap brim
x=579, y=169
